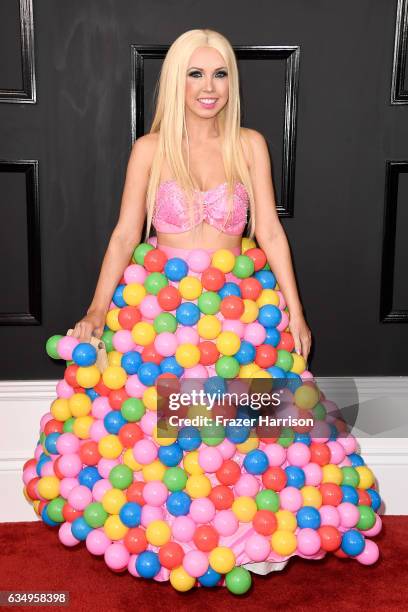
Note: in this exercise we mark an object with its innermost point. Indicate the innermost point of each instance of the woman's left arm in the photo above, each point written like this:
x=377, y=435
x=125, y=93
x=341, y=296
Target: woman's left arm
x=272, y=239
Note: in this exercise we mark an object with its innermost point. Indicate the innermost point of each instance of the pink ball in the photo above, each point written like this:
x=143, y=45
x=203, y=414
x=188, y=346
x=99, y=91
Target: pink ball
x=116, y=556
x=349, y=514
x=70, y=464
x=135, y=273
x=257, y=547
x=80, y=497
x=48, y=469
x=202, y=510
x=337, y=452
x=67, y=443
x=100, y=487
x=225, y=522
x=349, y=443
x=195, y=562
x=66, y=485
x=150, y=307
x=65, y=535
x=290, y=499
x=284, y=321
x=133, y=386
x=187, y=335
x=198, y=260
x=155, y=493
x=100, y=407
x=106, y=465
x=64, y=389
x=255, y=333
x=166, y=344
x=197, y=371
x=370, y=553
x=29, y=473
x=226, y=448
x=234, y=325
x=183, y=528
x=306, y=375
x=132, y=566
x=320, y=432
x=247, y=485
x=65, y=346
x=313, y=474
x=148, y=422
x=329, y=516
x=298, y=454
x=210, y=458
x=150, y=514
x=308, y=541
x=145, y=451
x=44, y=420
x=122, y=340
x=97, y=431
x=97, y=542
x=375, y=529
x=282, y=301
x=275, y=453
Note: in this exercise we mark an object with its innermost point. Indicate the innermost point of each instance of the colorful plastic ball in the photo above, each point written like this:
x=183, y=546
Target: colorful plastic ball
x=246, y=353
x=80, y=528
x=209, y=302
x=274, y=478
x=238, y=581
x=267, y=500
x=244, y=508
x=330, y=538
x=352, y=542
x=210, y=579
x=175, y=268
x=158, y=533
x=175, y=479
x=222, y=559
x=195, y=562
x=308, y=517
x=256, y=462
x=171, y=555
x=84, y=354
x=367, y=518
x=229, y=472
x=227, y=366
x=187, y=313
x=210, y=459
x=375, y=499
x=283, y=542
x=51, y=346
x=221, y=496
x=264, y=522
x=148, y=564
x=135, y=540
x=369, y=554
x=181, y=580
x=269, y=315
x=178, y=503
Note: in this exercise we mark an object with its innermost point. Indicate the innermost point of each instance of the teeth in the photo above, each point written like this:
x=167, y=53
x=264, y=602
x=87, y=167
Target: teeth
x=207, y=100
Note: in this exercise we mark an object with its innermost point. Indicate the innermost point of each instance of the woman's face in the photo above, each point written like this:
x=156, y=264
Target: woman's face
x=207, y=84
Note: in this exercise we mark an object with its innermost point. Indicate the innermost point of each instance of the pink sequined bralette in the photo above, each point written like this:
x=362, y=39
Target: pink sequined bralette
x=172, y=215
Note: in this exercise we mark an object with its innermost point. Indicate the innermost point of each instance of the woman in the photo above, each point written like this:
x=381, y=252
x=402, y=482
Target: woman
x=199, y=177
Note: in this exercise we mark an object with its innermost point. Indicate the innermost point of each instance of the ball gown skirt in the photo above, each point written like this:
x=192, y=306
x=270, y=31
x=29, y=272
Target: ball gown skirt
x=194, y=508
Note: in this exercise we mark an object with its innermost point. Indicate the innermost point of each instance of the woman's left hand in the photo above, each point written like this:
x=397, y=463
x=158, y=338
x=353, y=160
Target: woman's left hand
x=301, y=334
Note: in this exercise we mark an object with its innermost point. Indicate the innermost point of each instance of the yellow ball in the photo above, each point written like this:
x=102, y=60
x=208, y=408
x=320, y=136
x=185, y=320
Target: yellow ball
x=286, y=520
x=209, y=327
x=88, y=376
x=228, y=343
x=153, y=471
x=262, y=374
x=113, y=500
x=311, y=496
x=150, y=398
x=306, y=396
x=60, y=409
x=158, y=533
x=283, y=542
x=248, y=370
x=48, y=487
x=367, y=478
x=250, y=313
x=247, y=243
x=165, y=435
x=267, y=296
x=110, y=447
x=80, y=404
x=332, y=473
x=187, y=355
x=134, y=293
x=114, y=377
x=198, y=410
x=114, y=528
x=143, y=333
x=112, y=320
x=299, y=363
x=190, y=287
x=82, y=427
x=249, y=445
x=130, y=461
x=224, y=260
x=198, y=485
x=222, y=559
x=36, y=506
x=191, y=464
x=115, y=358
x=244, y=508
x=180, y=580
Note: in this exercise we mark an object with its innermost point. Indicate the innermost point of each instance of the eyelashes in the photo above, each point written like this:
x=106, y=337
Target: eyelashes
x=194, y=73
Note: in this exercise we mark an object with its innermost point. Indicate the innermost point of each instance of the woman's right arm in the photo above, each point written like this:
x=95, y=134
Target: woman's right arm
x=125, y=236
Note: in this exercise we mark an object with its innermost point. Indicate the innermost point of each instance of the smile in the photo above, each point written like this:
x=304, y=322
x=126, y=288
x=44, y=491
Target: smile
x=208, y=102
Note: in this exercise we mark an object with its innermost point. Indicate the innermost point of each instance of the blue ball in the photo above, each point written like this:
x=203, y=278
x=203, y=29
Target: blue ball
x=147, y=373
x=352, y=542
x=273, y=336
x=130, y=514
x=84, y=354
x=210, y=578
x=178, y=503
x=307, y=516
x=46, y=518
x=333, y=433
x=266, y=278
x=50, y=443
x=349, y=494
x=246, y=352
x=278, y=373
x=295, y=476
x=170, y=455
x=170, y=364
x=187, y=313
x=237, y=433
x=80, y=528
x=189, y=438
x=215, y=384
x=113, y=421
x=269, y=315
x=43, y=459
x=229, y=289
x=303, y=437
x=88, y=476
x=293, y=381
x=356, y=460
x=91, y=393
x=131, y=362
x=375, y=499
x=148, y=564
x=117, y=298
x=175, y=268
x=256, y=461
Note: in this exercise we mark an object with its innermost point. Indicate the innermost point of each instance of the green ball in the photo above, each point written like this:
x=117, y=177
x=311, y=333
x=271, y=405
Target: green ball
x=244, y=266
x=266, y=266
x=140, y=252
x=51, y=346
x=319, y=412
x=70, y=362
x=95, y=515
x=267, y=500
x=350, y=476
x=286, y=438
x=284, y=360
x=121, y=477
x=54, y=509
x=367, y=517
x=212, y=434
x=238, y=580
x=107, y=337
x=209, y=302
x=165, y=322
x=132, y=409
x=68, y=425
x=227, y=366
x=154, y=282
x=42, y=439
x=175, y=479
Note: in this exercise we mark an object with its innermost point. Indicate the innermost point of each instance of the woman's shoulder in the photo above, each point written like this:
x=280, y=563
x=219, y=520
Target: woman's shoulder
x=252, y=141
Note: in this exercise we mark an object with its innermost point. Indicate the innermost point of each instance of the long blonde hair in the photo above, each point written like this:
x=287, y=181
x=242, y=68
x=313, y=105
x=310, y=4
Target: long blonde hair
x=170, y=124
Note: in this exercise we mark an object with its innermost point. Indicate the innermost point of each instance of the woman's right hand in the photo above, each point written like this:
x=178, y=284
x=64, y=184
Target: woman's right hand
x=92, y=323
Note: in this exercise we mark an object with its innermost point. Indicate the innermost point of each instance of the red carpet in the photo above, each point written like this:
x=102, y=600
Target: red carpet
x=32, y=558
